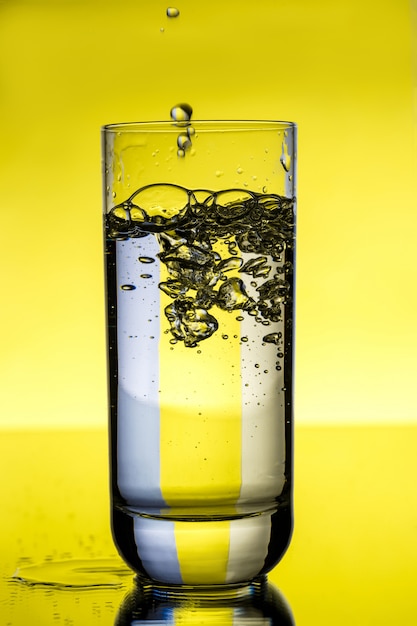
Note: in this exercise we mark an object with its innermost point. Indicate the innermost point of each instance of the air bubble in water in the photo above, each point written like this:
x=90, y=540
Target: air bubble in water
x=272, y=338
x=172, y=12
x=181, y=112
x=200, y=279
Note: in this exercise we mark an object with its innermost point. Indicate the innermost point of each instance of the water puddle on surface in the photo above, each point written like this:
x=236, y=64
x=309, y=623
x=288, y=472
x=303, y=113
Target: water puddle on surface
x=71, y=574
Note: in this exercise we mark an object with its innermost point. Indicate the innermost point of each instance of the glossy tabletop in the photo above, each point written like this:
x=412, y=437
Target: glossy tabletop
x=352, y=560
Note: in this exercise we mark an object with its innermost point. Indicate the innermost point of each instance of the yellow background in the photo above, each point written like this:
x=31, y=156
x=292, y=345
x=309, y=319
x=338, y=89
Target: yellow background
x=342, y=70
x=346, y=73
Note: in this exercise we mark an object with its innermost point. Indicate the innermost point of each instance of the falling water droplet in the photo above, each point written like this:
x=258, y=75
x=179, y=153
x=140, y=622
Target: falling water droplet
x=183, y=141
x=172, y=12
x=181, y=112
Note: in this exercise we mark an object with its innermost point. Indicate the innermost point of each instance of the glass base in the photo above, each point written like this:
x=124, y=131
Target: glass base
x=219, y=553
x=203, y=593
x=256, y=603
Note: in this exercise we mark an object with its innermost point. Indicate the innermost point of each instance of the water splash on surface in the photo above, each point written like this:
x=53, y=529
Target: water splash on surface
x=71, y=574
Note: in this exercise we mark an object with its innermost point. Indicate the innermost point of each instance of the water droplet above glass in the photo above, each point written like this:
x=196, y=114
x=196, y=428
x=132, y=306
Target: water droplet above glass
x=181, y=112
x=172, y=12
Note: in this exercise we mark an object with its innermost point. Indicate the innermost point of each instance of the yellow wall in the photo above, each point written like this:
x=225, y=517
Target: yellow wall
x=342, y=70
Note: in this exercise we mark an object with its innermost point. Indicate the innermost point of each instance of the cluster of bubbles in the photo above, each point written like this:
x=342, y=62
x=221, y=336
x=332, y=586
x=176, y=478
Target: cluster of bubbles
x=181, y=115
x=193, y=228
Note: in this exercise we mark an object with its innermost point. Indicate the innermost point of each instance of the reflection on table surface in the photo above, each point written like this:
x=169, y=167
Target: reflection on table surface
x=353, y=558
x=102, y=590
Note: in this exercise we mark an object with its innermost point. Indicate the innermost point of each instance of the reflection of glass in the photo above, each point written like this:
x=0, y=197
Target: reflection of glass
x=259, y=604
x=199, y=249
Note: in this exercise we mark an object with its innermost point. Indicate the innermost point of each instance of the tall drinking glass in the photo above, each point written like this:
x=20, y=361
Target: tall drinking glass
x=200, y=228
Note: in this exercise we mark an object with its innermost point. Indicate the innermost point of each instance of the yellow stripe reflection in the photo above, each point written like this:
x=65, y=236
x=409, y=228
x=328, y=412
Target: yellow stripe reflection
x=200, y=436
x=203, y=617
x=203, y=551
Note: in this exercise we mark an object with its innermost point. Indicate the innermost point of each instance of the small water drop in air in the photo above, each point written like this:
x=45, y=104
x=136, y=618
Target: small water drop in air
x=181, y=112
x=172, y=12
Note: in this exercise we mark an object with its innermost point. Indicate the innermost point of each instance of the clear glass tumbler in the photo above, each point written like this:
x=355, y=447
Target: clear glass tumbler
x=200, y=229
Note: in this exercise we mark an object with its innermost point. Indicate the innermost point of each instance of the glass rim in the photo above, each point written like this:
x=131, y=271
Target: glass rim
x=203, y=126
